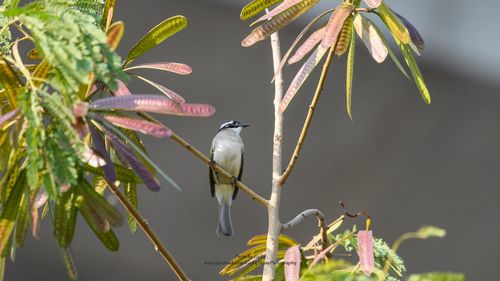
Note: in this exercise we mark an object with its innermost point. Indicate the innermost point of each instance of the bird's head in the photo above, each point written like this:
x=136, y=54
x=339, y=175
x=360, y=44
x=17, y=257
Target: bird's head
x=233, y=125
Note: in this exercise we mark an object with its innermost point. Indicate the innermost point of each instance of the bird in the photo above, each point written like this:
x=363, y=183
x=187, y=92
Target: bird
x=226, y=151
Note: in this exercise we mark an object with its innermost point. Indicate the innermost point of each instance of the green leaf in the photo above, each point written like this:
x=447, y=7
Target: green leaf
x=277, y=22
x=415, y=71
x=283, y=240
x=430, y=231
x=437, y=276
x=392, y=22
x=255, y=7
x=65, y=217
x=157, y=35
x=9, y=82
x=131, y=194
x=108, y=11
x=10, y=210
x=107, y=238
x=100, y=204
x=350, y=73
x=69, y=263
x=23, y=219
x=2, y=268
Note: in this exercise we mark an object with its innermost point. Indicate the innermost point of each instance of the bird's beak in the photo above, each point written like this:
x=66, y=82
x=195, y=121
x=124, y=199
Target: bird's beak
x=245, y=125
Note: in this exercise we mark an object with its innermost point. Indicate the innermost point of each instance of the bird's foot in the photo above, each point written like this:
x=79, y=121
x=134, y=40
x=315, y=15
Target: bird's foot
x=212, y=163
x=234, y=180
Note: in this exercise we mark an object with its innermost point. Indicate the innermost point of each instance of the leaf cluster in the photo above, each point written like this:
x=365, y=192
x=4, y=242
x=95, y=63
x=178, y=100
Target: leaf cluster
x=337, y=34
x=68, y=124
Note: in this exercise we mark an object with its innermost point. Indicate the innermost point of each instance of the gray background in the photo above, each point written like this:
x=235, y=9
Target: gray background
x=406, y=163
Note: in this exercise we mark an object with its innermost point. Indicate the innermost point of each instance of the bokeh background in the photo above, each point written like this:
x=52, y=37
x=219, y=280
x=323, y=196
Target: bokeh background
x=408, y=164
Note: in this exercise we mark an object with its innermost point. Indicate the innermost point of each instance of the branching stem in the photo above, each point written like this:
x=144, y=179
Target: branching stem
x=274, y=224
x=304, y=215
x=159, y=247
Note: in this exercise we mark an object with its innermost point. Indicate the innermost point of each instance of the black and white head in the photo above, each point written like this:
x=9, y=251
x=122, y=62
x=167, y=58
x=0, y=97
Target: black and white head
x=233, y=125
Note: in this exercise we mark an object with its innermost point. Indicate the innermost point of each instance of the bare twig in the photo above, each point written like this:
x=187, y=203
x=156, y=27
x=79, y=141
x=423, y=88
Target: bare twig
x=304, y=215
x=159, y=247
x=274, y=224
x=310, y=113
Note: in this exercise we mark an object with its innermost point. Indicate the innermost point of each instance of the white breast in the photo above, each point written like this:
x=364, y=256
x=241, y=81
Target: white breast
x=228, y=147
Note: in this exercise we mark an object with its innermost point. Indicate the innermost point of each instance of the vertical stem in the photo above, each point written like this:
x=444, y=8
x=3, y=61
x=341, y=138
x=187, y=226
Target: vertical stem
x=159, y=247
x=274, y=226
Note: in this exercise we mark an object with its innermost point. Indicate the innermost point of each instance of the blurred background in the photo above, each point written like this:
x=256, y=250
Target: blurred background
x=408, y=164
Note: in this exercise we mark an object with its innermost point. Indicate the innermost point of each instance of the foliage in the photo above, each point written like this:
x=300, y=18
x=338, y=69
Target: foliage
x=338, y=34
x=333, y=268
x=59, y=147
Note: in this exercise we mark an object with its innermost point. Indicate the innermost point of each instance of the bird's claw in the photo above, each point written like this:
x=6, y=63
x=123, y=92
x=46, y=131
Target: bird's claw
x=212, y=163
x=234, y=180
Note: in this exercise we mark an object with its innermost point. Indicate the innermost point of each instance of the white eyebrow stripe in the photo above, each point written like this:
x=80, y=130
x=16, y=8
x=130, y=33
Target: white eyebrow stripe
x=227, y=123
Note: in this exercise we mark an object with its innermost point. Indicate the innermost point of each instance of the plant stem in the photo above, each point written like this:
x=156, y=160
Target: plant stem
x=305, y=214
x=274, y=224
x=159, y=247
x=310, y=113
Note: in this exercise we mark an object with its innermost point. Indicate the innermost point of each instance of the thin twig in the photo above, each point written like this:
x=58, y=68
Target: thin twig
x=159, y=247
x=274, y=224
x=310, y=113
x=304, y=215
x=189, y=147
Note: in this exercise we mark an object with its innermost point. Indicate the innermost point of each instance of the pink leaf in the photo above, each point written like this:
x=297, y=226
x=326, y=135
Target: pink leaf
x=169, y=93
x=92, y=158
x=373, y=3
x=308, y=45
x=279, y=21
x=40, y=199
x=292, y=263
x=174, y=67
x=322, y=254
x=143, y=126
x=335, y=24
x=302, y=75
x=109, y=169
x=8, y=116
x=133, y=161
x=80, y=109
x=365, y=251
x=371, y=38
x=153, y=103
x=122, y=90
x=280, y=8
x=297, y=40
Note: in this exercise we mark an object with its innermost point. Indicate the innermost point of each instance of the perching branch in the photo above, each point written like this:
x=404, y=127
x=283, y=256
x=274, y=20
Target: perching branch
x=310, y=113
x=159, y=247
x=274, y=224
x=261, y=200
x=304, y=215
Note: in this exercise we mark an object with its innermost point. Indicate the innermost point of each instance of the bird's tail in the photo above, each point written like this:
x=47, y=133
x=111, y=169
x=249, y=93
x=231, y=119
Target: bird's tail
x=224, y=227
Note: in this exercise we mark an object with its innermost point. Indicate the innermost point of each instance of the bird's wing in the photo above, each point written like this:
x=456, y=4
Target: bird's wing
x=240, y=174
x=211, y=179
